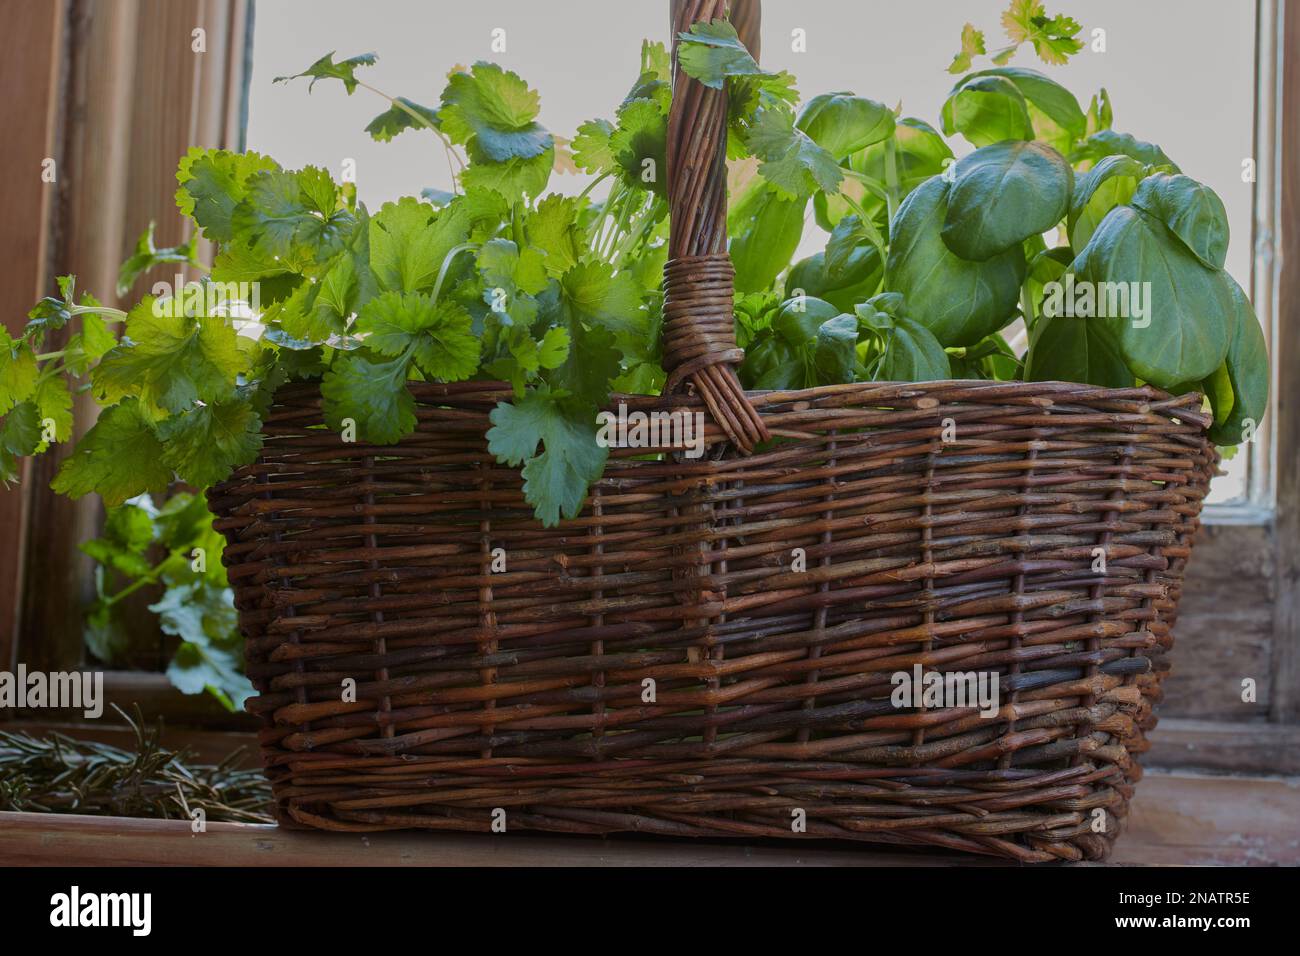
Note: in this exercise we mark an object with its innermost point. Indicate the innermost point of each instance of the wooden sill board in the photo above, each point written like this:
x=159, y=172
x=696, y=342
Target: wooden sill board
x=1177, y=819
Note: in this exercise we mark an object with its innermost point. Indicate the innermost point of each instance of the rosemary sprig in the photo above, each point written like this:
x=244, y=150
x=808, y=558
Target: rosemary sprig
x=57, y=774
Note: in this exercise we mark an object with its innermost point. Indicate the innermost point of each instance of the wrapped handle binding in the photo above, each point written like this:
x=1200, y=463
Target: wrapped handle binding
x=699, y=328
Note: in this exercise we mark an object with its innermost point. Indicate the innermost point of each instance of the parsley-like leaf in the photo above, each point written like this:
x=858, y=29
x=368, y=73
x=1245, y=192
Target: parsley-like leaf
x=326, y=69
x=556, y=480
x=794, y=164
x=147, y=255
x=1055, y=39
x=373, y=394
x=212, y=183
x=493, y=112
x=287, y=214
x=120, y=457
x=398, y=118
x=18, y=371
x=439, y=337
x=170, y=360
x=712, y=51
x=208, y=442
x=972, y=44
x=410, y=239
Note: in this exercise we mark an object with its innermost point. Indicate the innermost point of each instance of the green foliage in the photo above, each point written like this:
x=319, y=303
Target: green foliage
x=147, y=255
x=171, y=554
x=1185, y=336
x=927, y=263
x=1054, y=39
x=959, y=300
x=1003, y=194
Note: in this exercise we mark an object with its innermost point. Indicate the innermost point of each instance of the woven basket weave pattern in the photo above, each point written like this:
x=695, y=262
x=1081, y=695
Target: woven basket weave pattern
x=524, y=689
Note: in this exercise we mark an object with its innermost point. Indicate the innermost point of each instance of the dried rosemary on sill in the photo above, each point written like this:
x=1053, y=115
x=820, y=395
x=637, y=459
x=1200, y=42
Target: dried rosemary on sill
x=57, y=774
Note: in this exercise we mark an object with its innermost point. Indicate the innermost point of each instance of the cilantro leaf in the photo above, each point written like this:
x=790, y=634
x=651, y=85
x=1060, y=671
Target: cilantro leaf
x=1055, y=39
x=513, y=179
x=553, y=230
x=492, y=112
x=592, y=361
x=511, y=278
x=591, y=149
x=208, y=658
x=54, y=402
x=439, y=337
x=712, y=51
x=170, y=360
x=20, y=435
x=556, y=480
x=373, y=394
x=287, y=214
x=410, y=239
x=326, y=69
x=18, y=371
x=640, y=145
x=320, y=309
x=972, y=44
x=794, y=164
x=212, y=183
x=397, y=118
x=147, y=255
x=596, y=292
x=20, y=430
x=208, y=442
x=119, y=458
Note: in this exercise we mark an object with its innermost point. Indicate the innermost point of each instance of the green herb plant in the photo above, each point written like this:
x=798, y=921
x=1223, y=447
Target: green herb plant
x=170, y=553
x=929, y=261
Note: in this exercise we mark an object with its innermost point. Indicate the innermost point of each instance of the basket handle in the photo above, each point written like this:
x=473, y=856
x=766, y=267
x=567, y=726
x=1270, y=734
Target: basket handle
x=699, y=327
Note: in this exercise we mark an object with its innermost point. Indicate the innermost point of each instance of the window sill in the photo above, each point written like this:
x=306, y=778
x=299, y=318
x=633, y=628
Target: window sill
x=1177, y=819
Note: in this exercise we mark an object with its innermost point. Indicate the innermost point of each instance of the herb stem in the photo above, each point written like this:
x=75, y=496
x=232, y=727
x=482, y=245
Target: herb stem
x=446, y=264
x=424, y=121
x=117, y=315
x=593, y=184
x=891, y=176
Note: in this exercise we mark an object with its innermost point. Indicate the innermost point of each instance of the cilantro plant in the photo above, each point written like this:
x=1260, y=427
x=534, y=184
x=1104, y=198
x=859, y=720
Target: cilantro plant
x=930, y=266
x=169, y=553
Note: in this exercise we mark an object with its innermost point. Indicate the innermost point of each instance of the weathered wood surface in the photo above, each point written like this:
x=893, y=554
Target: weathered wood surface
x=1176, y=819
x=1225, y=627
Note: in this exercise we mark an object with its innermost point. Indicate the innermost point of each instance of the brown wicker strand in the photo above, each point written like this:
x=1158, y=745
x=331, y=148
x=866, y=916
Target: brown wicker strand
x=699, y=330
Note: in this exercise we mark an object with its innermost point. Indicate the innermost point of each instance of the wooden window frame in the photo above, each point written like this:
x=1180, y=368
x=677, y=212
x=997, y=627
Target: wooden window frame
x=116, y=123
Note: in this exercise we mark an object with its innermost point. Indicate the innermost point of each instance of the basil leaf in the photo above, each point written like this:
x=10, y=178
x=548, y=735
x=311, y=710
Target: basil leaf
x=912, y=354
x=1003, y=194
x=958, y=300
x=1247, y=370
x=1110, y=183
x=987, y=110
x=842, y=123
x=1107, y=142
x=1067, y=349
x=1054, y=113
x=1184, y=332
x=854, y=281
x=835, y=352
x=765, y=229
x=1193, y=212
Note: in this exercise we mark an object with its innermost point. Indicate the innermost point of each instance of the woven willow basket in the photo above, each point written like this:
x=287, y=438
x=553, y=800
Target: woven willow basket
x=668, y=662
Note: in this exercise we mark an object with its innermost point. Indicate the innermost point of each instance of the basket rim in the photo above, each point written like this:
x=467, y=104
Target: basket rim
x=489, y=392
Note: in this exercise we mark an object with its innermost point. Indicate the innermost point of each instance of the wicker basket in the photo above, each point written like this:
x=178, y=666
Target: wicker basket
x=709, y=649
